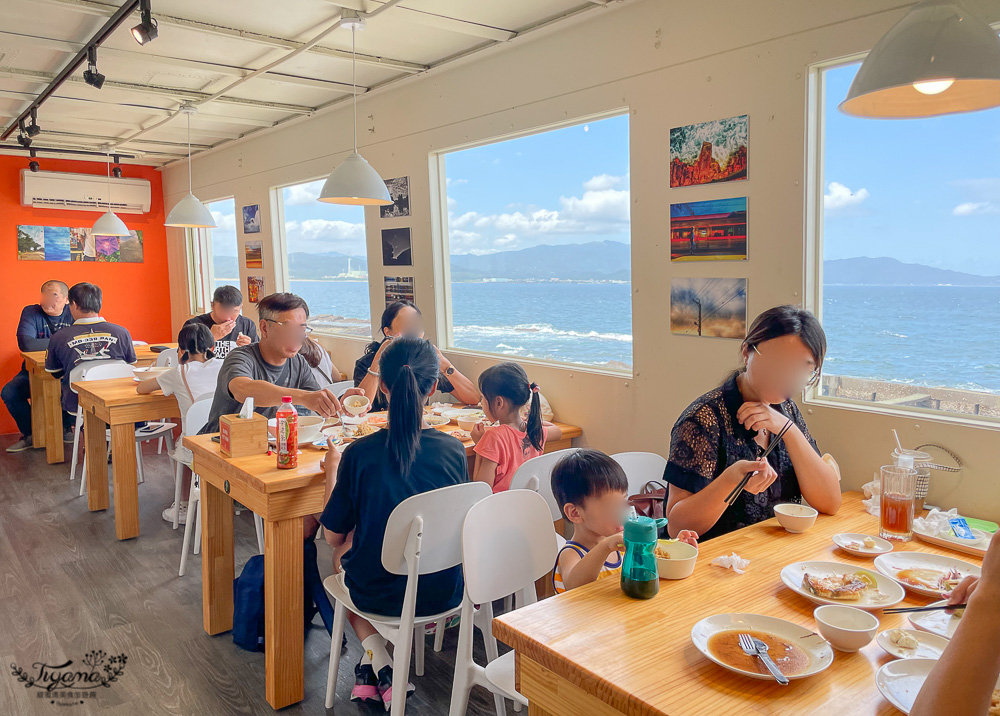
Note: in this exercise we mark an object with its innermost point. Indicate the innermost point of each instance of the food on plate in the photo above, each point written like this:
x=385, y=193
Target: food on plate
x=855, y=545
x=462, y=435
x=661, y=553
x=994, y=704
x=378, y=420
x=934, y=579
x=842, y=587
x=903, y=639
x=869, y=542
x=791, y=659
x=435, y=420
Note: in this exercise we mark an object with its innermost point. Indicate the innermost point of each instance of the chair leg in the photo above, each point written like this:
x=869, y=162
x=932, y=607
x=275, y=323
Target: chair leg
x=159, y=446
x=170, y=442
x=77, y=427
x=258, y=524
x=439, y=638
x=462, y=684
x=138, y=462
x=483, y=618
x=401, y=671
x=178, y=473
x=192, y=508
x=419, y=645
x=500, y=705
x=339, y=616
x=517, y=707
x=197, y=527
x=508, y=603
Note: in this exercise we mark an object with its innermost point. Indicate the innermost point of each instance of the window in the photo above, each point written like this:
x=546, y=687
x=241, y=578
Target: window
x=911, y=261
x=327, y=259
x=214, y=255
x=539, y=246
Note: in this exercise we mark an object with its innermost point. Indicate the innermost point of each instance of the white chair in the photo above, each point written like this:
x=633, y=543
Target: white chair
x=423, y=535
x=507, y=543
x=536, y=474
x=167, y=358
x=139, y=343
x=640, y=468
x=339, y=388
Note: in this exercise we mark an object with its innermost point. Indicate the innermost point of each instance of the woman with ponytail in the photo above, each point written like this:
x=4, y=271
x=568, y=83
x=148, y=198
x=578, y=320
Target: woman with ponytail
x=367, y=482
x=502, y=449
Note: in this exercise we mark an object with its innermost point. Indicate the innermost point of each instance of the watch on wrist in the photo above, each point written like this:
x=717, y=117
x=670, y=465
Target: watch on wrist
x=450, y=370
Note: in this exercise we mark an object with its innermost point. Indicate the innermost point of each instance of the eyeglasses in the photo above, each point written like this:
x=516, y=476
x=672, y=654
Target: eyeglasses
x=803, y=375
x=303, y=328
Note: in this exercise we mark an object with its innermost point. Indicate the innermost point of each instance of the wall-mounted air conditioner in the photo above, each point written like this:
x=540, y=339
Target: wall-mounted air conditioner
x=84, y=192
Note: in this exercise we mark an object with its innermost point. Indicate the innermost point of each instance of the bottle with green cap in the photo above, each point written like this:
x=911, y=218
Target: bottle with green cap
x=640, y=578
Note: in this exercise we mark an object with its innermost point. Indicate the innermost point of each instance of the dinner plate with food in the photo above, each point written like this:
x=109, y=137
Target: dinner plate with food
x=975, y=546
x=839, y=583
x=932, y=575
x=464, y=413
x=900, y=681
x=435, y=421
x=462, y=435
x=937, y=622
x=795, y=650
x=912, y=643
x=861, y=544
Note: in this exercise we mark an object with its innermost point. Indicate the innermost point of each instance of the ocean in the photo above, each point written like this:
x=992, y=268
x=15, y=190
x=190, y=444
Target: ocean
x=943, y=336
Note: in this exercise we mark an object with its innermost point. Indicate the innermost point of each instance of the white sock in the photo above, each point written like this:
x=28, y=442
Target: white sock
x=375, y=652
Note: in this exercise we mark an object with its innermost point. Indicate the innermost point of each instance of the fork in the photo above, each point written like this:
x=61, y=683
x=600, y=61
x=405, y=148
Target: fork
x=755, y=647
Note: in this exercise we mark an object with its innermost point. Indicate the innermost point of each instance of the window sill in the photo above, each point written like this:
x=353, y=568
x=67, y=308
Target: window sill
x=907, y=413
x=541, y=363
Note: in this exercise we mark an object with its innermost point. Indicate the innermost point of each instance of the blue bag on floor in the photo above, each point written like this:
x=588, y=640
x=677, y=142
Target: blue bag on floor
x=248, y=605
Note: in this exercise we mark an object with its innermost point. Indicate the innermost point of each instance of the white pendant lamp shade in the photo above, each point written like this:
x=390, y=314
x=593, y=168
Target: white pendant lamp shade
x=355, y=182
x=937, y=60
x=110, y=225
x=190, y=213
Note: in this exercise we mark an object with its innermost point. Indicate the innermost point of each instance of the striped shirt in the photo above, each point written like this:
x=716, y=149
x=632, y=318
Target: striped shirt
x=610, y=568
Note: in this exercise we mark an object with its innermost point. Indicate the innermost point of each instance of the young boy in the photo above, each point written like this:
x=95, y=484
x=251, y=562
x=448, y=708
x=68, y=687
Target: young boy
x=593, y=492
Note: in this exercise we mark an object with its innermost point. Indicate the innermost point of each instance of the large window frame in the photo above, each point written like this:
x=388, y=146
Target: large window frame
x=201, y=264
x=441, y=254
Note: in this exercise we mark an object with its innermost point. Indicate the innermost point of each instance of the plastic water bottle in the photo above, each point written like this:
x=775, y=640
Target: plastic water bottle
x=288, y=434
x=640, y=576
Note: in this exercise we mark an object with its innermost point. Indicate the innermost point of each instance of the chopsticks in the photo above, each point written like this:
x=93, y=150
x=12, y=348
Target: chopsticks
x=731, y=498
x=932, y=608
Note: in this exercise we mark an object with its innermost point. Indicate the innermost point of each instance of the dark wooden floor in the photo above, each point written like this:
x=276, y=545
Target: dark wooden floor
x=67, y=587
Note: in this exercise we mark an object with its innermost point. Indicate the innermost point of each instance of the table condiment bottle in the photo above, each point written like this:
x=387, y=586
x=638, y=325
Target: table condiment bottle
x=640, y=577
x=287, y=436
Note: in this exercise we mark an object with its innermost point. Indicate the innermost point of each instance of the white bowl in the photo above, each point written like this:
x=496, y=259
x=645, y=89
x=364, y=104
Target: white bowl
x=355, y=404
x=151, y=371
x=682, y=559
x=846, y=628
x=795, y=518
x=310, y=427
x=467, y=424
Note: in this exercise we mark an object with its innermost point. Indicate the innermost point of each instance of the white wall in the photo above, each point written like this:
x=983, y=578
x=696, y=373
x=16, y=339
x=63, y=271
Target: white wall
x=671, y=64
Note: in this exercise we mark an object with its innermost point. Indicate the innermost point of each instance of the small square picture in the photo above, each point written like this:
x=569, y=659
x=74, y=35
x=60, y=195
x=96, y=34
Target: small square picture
x=255, y=288
x=251, y=219
x=396, y=247
x=253, y=254
x=713, y=230
x=399, y=192
x=709, y=307
x=398, y=288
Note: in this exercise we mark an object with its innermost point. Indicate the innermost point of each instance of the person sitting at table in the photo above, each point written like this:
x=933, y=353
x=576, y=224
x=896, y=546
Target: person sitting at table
x=403, y=318
x=37, y=324
x=194, y=378
x=90, y=338
x=721, y=436
x=502, y=449
x=366, y=484
x=226, y=321
x=963, y=680
x=273, y=367
x=319, y=360
x=592, y=492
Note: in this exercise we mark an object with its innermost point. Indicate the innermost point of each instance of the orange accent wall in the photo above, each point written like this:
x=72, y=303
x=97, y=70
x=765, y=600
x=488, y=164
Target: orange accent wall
x=136, y=296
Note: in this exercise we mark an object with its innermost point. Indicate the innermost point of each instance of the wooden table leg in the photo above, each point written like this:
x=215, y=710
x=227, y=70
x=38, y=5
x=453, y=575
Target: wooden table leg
x=217, y=568
x=283, y=617
x=37, y=411
x=94, y=430
x=52, y=397
x=124, y=475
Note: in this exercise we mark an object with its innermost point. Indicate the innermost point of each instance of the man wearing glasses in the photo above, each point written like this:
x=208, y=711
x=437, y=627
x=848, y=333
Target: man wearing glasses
x=272, y=368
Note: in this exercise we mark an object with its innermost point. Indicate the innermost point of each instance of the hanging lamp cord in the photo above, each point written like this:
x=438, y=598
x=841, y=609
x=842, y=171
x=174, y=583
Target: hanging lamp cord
x=354, y=83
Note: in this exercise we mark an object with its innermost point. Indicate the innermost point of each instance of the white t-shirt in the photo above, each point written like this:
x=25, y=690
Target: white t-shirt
x=201, y=379
x=324, y=371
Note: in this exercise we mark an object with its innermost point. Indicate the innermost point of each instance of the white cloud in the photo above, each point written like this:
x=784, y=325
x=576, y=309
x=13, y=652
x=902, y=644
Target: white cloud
x=839, y=197
x=224, y=222
x=605, y=181
x=301, y=194
x=970, y=208
x=983, y=196
x=455, y=182
x=325, y=229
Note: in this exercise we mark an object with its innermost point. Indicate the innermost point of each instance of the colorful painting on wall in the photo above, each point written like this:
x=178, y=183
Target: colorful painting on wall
x=253, y=254
x=56, y=243
x=255, y=288
x=709, y=307
x=714, y=230
x=60, y=243
x=398, y=288
x=709, y=152
x=251, y=219
x=30, y=243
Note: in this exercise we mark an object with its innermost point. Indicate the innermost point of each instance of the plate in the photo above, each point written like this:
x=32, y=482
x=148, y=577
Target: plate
x=976, y=547
x=819, y=651
x=939, y=622
x=845, y=539
x=890, y=591
x=463, y=413
x=929, y=646
x=272, y=423
x=900, y=681
x=892, y=564
x=436, y=420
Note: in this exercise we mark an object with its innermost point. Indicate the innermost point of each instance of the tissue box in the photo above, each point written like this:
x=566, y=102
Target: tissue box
x=240, y=437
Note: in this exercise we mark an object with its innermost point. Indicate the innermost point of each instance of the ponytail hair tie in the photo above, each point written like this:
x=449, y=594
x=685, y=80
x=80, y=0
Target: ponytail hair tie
x=407, y=365
x=534, y=387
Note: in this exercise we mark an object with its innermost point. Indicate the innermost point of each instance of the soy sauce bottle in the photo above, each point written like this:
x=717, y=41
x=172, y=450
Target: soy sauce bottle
x=640, y=577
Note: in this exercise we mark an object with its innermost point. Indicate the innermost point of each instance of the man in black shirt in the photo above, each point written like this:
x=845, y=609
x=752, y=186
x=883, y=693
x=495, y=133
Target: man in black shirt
x=226, y=321
x=38, y=322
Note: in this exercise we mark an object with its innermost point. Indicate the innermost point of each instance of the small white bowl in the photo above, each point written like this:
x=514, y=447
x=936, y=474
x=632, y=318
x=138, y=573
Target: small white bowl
x=467, y=424
x=355, y=404
x=795, y=518
x=846, y=628
x=682, y=559
x=309, y=428
x=151, y=371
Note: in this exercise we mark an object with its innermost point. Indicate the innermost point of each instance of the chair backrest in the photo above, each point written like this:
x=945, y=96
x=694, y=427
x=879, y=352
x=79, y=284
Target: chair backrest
x=109, y=371
x=81, y=370
x=428, y=528
x=197, y=415
x=640, y=468
x=339, y=388
x=507, y=543
x=167, y=358
x=536, y=474
x=139, y=343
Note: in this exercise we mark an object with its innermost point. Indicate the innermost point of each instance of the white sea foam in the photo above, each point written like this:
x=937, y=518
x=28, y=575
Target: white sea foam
x=540, y=329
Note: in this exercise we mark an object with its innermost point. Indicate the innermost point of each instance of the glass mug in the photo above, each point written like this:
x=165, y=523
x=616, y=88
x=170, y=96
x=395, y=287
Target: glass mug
x=899, y=490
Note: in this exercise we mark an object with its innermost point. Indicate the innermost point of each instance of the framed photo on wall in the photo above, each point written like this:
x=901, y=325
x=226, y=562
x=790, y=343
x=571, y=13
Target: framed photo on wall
x=399, y=192
x=251, y=219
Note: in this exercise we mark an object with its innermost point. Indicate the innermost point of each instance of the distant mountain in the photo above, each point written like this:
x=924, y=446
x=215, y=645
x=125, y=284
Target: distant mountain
x=597, y=260
x=864, y=271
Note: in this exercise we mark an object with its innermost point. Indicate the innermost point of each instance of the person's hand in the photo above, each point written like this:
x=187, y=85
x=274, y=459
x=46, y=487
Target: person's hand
x=221, y=330
x=321, y=402
x=443, y=362
x=688, y=537
x=382, y=346
x=478, y=431
x=330, y=463
x=756, y=484
x=242, y=340
x=612, y=543
x=961, y=593
x=357, y=391
x=761, y=416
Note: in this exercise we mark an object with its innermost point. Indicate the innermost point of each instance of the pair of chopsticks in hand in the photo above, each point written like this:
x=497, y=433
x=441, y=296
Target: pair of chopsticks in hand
x=731, y=498
x=931, y=608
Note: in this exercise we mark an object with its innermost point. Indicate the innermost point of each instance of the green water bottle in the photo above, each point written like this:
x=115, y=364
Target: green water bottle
x=640, y=577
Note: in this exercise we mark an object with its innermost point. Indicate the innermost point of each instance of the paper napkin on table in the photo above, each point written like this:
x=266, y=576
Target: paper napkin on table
x=733, y=562
x=247, y=410
x=936, y=522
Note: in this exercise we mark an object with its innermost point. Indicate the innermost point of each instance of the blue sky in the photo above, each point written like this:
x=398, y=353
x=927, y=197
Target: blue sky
x=919, y=190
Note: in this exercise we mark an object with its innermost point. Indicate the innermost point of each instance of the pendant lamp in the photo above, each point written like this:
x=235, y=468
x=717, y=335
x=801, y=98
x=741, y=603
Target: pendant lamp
x=190, y=213
x=109, y=224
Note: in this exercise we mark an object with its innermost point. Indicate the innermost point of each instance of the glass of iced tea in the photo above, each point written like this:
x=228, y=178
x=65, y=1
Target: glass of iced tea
x=899, y=490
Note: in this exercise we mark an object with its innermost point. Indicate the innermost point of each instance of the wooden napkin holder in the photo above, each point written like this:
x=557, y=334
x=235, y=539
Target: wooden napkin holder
x=239, y=437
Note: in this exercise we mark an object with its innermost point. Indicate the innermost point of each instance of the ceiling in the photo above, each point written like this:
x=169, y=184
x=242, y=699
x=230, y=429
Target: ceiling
x=205, y=50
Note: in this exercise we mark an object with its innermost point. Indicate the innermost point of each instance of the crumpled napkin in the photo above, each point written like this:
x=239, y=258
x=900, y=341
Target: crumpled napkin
x=873, y=493
x=733, y=562
x=936, y=522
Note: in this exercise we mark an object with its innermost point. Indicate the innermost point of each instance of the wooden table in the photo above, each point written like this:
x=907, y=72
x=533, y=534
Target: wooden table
x=46, y=393
x=281, y=498
x=115, y=404
x=595, y=651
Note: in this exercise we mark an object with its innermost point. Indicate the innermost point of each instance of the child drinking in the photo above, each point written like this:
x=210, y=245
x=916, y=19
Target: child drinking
x=372, y=477
x=502, y=449
x=593, y=492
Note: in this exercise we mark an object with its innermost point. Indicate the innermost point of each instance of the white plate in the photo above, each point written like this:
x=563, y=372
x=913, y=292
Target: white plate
x=900, y=681
x=463, y=413
x=436, y=420
x=977, y=546
x=929, y=646
x=844, y=539
x=939, y=622
x=819, y=651
x=891, y=592
x=892, y=564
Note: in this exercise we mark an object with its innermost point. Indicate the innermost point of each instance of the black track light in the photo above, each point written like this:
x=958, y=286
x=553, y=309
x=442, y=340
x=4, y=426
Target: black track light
x=33, y=130
x=146, y=30
x=33, y=165
x=116, y=172
x=90, y=75
x=22, y=138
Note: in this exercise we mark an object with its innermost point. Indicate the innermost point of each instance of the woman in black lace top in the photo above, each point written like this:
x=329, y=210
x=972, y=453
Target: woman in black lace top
x=721, y=435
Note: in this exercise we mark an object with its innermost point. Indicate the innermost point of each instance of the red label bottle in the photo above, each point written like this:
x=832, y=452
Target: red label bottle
x=288, y=434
